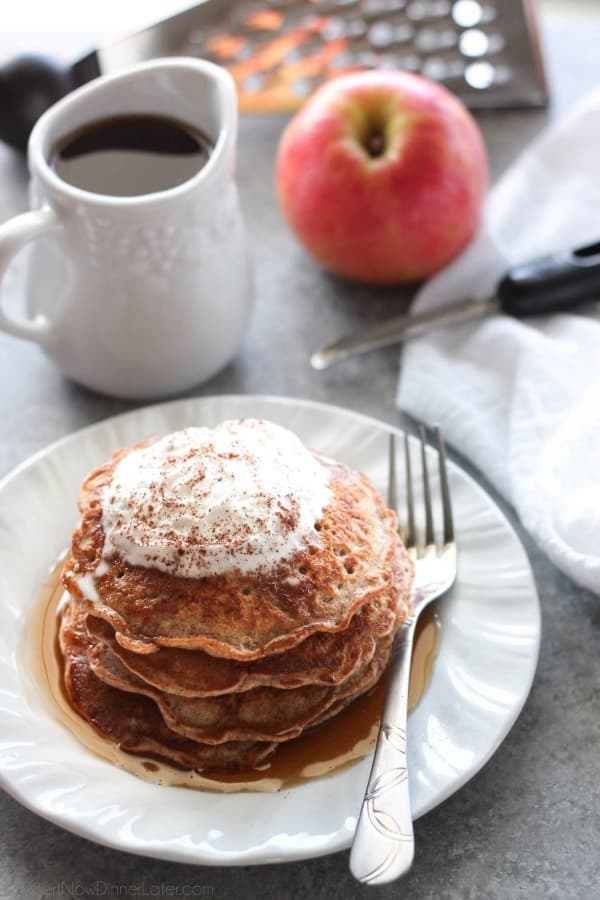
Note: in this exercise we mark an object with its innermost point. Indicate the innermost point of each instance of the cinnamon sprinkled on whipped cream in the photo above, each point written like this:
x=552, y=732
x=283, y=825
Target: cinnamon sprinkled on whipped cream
x=238, y=497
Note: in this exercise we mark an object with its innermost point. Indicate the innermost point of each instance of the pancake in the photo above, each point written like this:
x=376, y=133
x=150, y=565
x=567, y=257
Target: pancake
x=263, y=714
x=133, y=722
x=244, y=616
x=323, y=658
x=217, y=667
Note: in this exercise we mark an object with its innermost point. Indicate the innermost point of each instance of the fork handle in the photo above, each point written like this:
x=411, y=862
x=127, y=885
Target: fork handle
x=383, y=846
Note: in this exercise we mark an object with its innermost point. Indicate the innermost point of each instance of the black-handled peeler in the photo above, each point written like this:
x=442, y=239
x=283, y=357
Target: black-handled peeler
x=550, y=284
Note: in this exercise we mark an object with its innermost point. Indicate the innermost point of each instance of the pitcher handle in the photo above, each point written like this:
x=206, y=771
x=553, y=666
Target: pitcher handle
x=14, y=234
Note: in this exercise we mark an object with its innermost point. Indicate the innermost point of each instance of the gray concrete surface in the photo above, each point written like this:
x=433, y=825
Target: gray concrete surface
x=528, y=825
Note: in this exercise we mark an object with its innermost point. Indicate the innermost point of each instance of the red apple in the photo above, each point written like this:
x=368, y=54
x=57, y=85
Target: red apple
x=382, y=175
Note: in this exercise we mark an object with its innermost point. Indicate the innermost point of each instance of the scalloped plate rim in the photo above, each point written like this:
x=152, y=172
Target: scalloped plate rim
x=266, y=853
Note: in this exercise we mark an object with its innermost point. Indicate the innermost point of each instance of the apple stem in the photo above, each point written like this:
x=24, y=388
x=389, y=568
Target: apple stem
x=375, y=144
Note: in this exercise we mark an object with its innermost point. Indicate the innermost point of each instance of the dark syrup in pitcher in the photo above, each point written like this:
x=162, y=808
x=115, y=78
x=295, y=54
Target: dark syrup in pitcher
x=131, y=155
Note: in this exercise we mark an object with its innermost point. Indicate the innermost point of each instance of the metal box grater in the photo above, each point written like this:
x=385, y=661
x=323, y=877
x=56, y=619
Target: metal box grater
x=278, y=51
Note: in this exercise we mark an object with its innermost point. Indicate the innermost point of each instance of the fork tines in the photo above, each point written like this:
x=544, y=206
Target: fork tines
x=408, y=532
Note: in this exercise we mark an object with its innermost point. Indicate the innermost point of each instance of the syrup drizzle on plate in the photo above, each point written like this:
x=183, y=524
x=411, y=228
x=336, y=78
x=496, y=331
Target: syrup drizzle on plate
x=337, y=743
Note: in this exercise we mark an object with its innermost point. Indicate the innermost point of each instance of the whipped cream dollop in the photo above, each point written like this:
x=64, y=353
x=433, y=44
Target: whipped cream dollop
x=206, y=501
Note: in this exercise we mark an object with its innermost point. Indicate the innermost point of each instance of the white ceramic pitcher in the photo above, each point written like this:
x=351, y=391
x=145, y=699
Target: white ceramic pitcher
x=137, y=296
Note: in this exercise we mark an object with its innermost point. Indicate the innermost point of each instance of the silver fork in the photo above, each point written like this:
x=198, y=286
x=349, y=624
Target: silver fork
x=383, y=846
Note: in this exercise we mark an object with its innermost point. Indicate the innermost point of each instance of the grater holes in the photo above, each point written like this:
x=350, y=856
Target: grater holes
x=435, y=68
x=381, y=34
x=431, y=39
x=334, y=28
x=467, y=13
x=442, y=39
x=488, y=14
x=474, y=42
x=410, y=62
x=385, y=34
x=303, y=87
x=253, y=83
x=382, y=7
x=420, y=10
x=480, y=75
x=504, y=74
x=343, y=60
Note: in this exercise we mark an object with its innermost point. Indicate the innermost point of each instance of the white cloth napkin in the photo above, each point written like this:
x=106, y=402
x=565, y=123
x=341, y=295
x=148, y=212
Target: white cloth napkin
x=521, y=399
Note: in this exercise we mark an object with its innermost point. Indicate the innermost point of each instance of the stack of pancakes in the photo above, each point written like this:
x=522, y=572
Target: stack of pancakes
x=216, y=672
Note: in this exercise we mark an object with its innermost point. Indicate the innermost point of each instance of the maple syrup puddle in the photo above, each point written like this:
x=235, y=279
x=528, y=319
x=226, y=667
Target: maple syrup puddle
x=344, y=739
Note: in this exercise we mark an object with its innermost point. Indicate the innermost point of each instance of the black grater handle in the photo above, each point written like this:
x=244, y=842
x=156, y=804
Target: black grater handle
x=553, y=283
x=28, y=86
x=32, y=83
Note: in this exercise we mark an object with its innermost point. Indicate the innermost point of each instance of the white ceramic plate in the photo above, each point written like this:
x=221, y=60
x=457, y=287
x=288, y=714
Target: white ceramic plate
x=481, y=677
